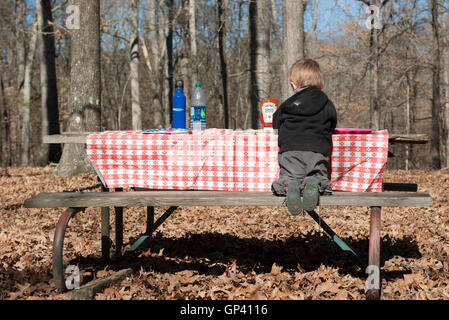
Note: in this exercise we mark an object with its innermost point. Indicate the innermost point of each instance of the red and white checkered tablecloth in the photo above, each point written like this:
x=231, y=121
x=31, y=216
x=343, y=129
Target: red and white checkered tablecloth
x=227, y=160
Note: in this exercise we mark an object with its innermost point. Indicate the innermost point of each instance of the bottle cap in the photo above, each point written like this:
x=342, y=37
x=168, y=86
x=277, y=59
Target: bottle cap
x=198, y=84
x=179, y=84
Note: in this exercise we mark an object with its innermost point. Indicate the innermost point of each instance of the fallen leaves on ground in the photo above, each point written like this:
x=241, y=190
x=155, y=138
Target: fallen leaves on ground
x=226, y=252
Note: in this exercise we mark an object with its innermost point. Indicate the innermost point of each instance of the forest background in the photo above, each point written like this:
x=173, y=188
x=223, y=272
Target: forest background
x=392, y=77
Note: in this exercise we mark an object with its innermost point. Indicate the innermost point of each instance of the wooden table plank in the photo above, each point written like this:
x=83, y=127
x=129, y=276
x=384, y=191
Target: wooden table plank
x=67, y=137
x=408, y=138
x=216, y=198
x=81, y=137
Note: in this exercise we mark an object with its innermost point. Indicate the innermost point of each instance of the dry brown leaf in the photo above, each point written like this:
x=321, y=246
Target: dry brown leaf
x=220, y=253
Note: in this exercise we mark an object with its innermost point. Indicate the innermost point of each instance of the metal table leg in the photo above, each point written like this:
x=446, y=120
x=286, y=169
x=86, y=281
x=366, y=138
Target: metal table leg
x=105, y=229
x=374, y=281
x=151, y=227
x=343, y=245
x=150, y=219
x=58, y=245
x=118, y=228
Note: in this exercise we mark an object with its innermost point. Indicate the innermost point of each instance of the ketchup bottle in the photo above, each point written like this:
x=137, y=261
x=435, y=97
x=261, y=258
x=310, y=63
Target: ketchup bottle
x=268, y=107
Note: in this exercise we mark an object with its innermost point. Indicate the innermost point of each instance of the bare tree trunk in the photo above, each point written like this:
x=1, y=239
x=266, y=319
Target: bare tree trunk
x=311, y=43
x=413, y=110
x=192, y=34
x=2, y=122
x=409, y=80
x=446, y=88
x=260, y=56
x=274, y=19
x=4, y=128
x=373, y=70
x=85, y=89
x=446, y=107
x=49, y=88
x=168, y=83
x=242, y=91
x=24, y=107
x=292, y=40
x=407, y=122
x=374, y=78
x=136, y=110
x=221, y=6
x=193, y=54
x=263, y=38
x=155, y=49
x=184, y=58
x=20, y=43
x=436, y=107
x=253, y=65
x=301, y=33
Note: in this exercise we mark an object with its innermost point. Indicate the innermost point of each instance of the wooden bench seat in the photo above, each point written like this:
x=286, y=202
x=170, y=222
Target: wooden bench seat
x=77, y=201
x=217, y=198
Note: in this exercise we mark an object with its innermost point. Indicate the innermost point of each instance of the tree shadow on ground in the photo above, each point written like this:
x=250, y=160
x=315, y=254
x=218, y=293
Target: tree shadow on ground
x=17, y=283
x=211, y=253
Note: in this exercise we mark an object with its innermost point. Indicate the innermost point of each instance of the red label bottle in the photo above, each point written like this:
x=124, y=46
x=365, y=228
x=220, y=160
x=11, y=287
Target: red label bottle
x=268, y=107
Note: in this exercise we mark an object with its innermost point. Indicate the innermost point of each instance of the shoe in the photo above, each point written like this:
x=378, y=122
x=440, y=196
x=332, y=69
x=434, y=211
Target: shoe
x=311, y=193
x=294, y=202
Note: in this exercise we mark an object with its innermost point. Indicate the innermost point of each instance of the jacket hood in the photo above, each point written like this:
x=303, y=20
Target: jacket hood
x=307, y=102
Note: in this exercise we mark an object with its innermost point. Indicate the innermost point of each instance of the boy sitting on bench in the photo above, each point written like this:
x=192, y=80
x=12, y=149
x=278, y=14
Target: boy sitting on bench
x=305, y=122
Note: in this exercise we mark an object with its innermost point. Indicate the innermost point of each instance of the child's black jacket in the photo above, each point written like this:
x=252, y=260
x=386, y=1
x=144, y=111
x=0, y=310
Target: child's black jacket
x=306, y=121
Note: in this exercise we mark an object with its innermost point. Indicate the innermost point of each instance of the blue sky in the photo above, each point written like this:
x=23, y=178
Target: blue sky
x=331, y=14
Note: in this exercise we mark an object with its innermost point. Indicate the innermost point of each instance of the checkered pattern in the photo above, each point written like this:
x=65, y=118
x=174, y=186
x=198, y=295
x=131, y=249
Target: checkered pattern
x=358, y=161
x=227, y=160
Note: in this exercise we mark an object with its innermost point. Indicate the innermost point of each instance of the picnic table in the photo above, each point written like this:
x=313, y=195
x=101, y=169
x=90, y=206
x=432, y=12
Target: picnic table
x=225, y=160
x=220, y=168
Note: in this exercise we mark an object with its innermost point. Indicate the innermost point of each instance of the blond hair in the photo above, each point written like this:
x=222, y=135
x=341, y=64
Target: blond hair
x=306, y=72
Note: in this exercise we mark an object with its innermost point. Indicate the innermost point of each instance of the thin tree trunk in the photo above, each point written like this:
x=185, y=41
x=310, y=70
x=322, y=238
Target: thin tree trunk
x=221, y=6
x=241, y=89
x=184, y=57
x=253, y=64
x=263, y=50
x=311, y=43
x=155, y=49
x=407, y=123
x=436, y=108
x=85, y=87
x=20, y=63
x=192, y=35
x=136, y=110
x=49, y=88
x=168, y=90
x=374, y=80
x=409, y=81
x=301, y=32
x=193, y=54
x=5, y=132
x=413, y=111
x=373, y=69
x=24, y=108
x=446, y=106
x=20, y=43
x=2, y=122
x=446, y=88
x=274, y=23
x=292, y=40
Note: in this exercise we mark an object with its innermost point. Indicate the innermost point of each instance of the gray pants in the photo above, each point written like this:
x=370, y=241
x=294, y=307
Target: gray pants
x=300, y=165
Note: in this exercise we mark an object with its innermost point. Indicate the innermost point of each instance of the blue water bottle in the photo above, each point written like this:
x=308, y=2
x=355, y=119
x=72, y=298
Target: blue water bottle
x=179, y=106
